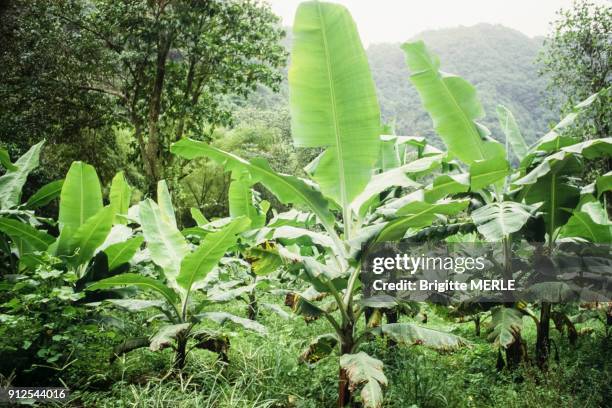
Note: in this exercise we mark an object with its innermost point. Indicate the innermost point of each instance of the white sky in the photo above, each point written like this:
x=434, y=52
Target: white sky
x=399, y=20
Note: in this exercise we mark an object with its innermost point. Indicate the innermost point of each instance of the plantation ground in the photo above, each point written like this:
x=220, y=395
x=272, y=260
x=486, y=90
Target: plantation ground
x=265, y=372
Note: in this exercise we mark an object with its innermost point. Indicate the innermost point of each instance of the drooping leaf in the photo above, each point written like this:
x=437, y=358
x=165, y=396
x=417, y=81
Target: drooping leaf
x=589, y=221
x=166, y=335
x=128, y=345
x=447, y=184
x=240, y=198
x=452, y=104
x=133, y=279
x=365, y=372
x=291, y=234
x=5, y=160
x=122, y=252
x=333, y=99
x=45, y=194
x=11, y=183
x=512, y=131
x=196, y=265
x=120, y=196
x=288, y=189
x=486, y=172
x=604, y=184
x=223, y=317
x=506, y=325
x=397, y=177
x=81, y=196
x=418, y=214
x=31, y=238
x=411, y=334
x=164, y=241
x=319, y=348
x=498, y=220
x=135, y=305
x=303, y=307
x=198, y=217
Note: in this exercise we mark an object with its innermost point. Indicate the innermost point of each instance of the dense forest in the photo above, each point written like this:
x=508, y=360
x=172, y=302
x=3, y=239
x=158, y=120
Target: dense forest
x=201, y=208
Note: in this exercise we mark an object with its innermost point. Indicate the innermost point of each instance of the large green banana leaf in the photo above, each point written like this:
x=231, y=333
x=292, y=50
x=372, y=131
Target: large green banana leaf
x=133, y=279
x=589, y=221
x=240, y=197
x=452, y=104
x=89, y=236
x=513, y=134
x=120, y=195
x=288, y=189
x=497, y=220
x=26, y=237
x=196, y=265
x=11, y=183
x=45, y=194
x=81, y=196
x=333, y=99
x=164, y=241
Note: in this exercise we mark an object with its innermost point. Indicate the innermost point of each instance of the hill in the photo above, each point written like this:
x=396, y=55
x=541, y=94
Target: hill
x=498, y=61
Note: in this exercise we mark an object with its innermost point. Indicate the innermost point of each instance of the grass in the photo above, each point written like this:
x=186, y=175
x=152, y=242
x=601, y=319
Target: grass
x=264, y=372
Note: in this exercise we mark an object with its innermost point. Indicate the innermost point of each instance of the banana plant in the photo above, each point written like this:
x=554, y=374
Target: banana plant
x=184, y=271
x=542, y=186
x=19, y=225
x=334, y=107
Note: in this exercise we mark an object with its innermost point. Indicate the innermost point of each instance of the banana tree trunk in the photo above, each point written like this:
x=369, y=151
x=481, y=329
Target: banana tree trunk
x=181, y=353
x=345, y=397
x=252, y=307
x=543, y=339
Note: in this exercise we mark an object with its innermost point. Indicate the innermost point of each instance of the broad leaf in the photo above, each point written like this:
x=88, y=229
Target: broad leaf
x=589, y=221
x=5, y=160
x=397, y=177
x=288, y=189
x=513, y=134
x=240, y=198
x=164, y=201
x=223, y=317
x=498, y=220
x=447, y=184
x=418, y=214
x=81, y=196
x=11, y=183
x=122, y=252
x=139, y=281
x=333, y=99
x=452, y=104
x=45, y=194
x=506, y=326
x=366, y=373
x=89, y=236
x=486, y=172
x=319, y=348
x=198, y=217
x=120, y=196
x=412, y=334
x=166, y=335
x=165, y=243
x=196, y=265
x=26, y=237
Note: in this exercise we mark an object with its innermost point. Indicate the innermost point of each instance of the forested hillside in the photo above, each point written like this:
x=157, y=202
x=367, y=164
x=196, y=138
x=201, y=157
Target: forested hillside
x=499, y=61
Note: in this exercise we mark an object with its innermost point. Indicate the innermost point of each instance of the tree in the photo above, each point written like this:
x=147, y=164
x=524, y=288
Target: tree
x=162, y=68
x=576, y=59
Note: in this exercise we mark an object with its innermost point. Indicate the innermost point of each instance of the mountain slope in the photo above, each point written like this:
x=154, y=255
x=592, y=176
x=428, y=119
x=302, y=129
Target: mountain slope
x=498, y=61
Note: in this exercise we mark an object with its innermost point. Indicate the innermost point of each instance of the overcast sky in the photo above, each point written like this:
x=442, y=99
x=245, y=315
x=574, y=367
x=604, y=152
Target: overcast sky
x=398, y=20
